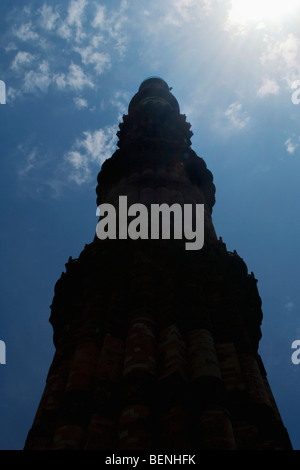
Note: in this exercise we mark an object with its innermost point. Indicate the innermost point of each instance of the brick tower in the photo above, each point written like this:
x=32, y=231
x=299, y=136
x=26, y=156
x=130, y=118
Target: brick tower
x=156, y=346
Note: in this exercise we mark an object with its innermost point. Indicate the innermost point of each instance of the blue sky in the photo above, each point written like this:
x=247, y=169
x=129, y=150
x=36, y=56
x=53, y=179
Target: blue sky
x=70, y=68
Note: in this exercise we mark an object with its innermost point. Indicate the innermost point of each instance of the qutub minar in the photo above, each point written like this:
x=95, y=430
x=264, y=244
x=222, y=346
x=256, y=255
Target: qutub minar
x=156, y=346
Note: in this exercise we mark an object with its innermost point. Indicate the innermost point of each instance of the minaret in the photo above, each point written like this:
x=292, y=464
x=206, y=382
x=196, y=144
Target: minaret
x=157, y=346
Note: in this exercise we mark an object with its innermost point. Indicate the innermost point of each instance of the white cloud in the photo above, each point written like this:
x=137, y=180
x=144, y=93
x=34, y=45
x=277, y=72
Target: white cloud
x=289, y=305
x=236, y=117
x=283, y=55
x=75, y=12
x=291, y=146
x=96, y=39
x=112, y=25
x=230, y=121
x=73, y=22
x=29, y=162
x=76, y=79
x=75, y=17
x=25, y=32
x=186, y=11
x=99, y=18
x=22, y=58
x=289, y=50
x=268, y=87
x=49, y=17
x=98, y=144
x=186, y=8
x=64, y=31
x=10, y=47
x=12, y=94
x=100, y=60
x=81, y=171
x=80, y=103
x=92, y=150
x=38, y=80
x=120, y=100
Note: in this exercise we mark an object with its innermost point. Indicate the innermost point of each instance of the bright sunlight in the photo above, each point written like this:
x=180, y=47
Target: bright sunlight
x=243, y=11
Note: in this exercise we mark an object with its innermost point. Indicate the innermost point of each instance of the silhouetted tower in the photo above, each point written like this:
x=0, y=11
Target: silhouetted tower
x=156, y=346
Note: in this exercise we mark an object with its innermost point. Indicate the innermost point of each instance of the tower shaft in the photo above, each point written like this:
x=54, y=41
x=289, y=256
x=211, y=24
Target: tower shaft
x=157, y=346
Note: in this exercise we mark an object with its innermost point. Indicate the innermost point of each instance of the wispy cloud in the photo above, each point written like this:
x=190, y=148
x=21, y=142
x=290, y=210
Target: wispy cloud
x=100, y=60
x=71, y=27
x=90, y=152
x=25, y=32
x=80, y=103
x=236, y=117
x=283, y=55
x=76, y=16
x=21, y=59
x=75, y=79
x=48, y=17
x=75, y=12
x=120, y=100
x=95, y=32
x=30, y=161
x=268, y=87
x=39, y=79
x=10, y=47
x=99, y=18
x=291, y=146
x=187, y=11
x=289, y=305
x=112, y=24
x=230, y=121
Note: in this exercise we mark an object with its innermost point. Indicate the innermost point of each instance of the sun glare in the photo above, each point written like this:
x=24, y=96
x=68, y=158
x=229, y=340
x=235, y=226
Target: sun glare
x=258, y=10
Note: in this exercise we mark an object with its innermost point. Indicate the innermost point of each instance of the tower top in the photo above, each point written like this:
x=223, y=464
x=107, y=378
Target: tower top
x=155, y=90
x=154, y=82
